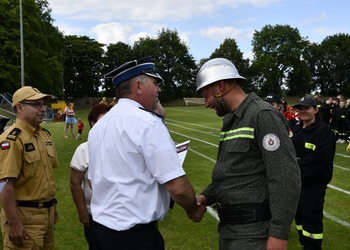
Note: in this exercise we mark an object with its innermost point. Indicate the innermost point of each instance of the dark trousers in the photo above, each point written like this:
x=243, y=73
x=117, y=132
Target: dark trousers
x=309, y=217
x=88, y=235
x=146, y=237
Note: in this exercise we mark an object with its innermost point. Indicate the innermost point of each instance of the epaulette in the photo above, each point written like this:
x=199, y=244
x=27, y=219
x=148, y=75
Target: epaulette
x=14, y=134
x=161, y=117
x=47, y=131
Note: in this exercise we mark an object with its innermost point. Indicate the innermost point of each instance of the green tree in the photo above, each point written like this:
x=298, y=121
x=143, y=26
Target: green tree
x=82, y=67
x=229, y=50
x=116, y=55
x=278, y=51
x=42, y=47
x=330, y=65
x=174, y=62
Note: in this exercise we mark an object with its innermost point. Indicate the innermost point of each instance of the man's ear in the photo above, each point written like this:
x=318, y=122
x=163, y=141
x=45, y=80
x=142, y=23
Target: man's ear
x=19, y=108
x=137, y=87
x=221, y=85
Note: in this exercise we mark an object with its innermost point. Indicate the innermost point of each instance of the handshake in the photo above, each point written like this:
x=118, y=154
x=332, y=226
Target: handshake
x=201, y=208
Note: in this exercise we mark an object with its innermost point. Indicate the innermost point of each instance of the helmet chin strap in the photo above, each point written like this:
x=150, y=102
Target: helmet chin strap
x=219, y=97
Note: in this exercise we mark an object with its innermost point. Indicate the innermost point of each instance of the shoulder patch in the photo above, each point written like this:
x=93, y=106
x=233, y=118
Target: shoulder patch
x=5, y=145
x=47, y=131
x=29, y=147
x=271, y=142
x=14, y=134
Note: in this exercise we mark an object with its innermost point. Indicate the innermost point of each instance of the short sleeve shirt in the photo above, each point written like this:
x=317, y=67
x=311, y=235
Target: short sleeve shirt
x=28, y=155
x=132, y=156
x=80, y=162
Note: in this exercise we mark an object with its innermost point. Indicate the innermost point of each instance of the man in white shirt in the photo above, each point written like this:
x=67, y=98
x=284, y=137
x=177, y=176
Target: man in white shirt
x=134, y=165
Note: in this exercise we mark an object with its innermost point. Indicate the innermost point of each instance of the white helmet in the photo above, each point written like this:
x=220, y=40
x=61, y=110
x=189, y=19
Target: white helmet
x=216, y=69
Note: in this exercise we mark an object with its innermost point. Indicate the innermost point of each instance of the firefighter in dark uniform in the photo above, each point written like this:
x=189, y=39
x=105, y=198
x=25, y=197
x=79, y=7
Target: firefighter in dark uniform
x=314, y=143
x=256, y=179
x=27, y=156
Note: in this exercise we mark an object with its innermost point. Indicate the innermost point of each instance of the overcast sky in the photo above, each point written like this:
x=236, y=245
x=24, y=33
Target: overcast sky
x=202, y=24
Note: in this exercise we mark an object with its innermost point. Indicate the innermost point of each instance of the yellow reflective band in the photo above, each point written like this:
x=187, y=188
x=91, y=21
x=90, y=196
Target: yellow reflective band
x=244, y=132
x=299, y=227
x=313, y=236
x=310, y=146
x=318, y=105
x=237, y=136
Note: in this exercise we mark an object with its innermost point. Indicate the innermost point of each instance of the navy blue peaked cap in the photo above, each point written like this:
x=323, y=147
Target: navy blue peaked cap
x=134, y=68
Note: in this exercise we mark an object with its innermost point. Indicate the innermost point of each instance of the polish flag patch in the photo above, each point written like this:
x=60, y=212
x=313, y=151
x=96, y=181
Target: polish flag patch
x=5, y=145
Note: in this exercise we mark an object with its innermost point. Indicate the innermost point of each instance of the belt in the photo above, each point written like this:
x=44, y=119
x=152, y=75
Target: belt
x=46, y=204
x=244, y=213
x=153, y=224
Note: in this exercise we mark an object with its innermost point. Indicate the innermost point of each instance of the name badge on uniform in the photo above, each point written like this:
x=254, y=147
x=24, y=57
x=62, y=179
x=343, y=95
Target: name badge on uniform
x=29, y=147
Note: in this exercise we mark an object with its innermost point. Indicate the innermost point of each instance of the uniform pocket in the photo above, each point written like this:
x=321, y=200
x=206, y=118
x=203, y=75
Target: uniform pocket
x=238, y=146
x=32, y=160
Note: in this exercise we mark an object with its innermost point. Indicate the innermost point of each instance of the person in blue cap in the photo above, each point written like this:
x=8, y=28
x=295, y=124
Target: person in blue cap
x=134, y=167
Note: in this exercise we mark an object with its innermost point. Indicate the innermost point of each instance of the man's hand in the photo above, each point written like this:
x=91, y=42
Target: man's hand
x=197, y=217
x=17, y=234
x=202, y=208
x=84, y=218
x=276, y=244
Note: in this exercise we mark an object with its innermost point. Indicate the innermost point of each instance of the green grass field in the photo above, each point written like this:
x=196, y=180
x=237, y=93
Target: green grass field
x=202, y=127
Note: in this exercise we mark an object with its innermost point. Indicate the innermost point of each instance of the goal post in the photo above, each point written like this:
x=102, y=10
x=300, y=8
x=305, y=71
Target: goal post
x=193, y=101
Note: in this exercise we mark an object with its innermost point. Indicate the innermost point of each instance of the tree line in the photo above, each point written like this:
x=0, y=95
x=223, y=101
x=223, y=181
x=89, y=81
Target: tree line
x=73, y=66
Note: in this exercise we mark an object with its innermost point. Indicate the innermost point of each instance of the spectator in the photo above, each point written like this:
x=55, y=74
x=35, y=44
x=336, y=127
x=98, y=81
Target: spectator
x=114, y=102
x=314, y=143
x=70, y=119
x=104, y=101
x=81, y=191
x=274, y=100
x=80, y=128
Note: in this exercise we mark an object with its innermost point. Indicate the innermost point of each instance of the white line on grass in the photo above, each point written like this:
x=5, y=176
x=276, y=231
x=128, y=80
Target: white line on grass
x=200, y=131
x=339, y=189
x=333, y=218
x=213, y=213
x=347, y=169
x=193, y=138
x=193, y=124
x=189, y=111
x=206, y=157
x=346, y=156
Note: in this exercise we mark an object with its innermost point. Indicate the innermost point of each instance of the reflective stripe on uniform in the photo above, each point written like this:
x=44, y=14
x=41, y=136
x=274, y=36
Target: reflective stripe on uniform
x=309, y=235
x=244, y=132
x=310, y=146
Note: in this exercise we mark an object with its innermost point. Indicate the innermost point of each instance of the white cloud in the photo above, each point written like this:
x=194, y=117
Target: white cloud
x=325, y=31
x=67, y=29
x=220, y=33
x=314, y=19
x=136, y=10
x=124, y=32
x=113, y=33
